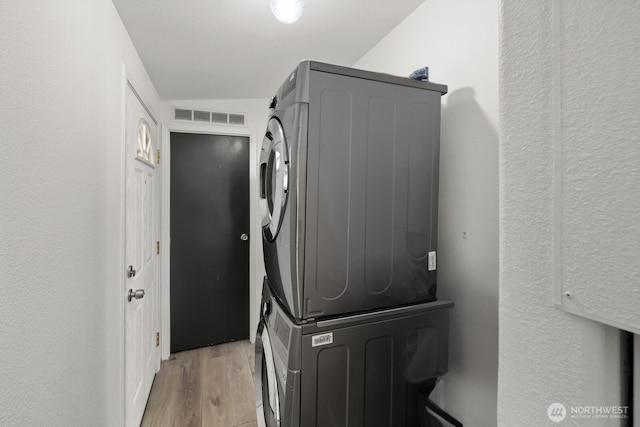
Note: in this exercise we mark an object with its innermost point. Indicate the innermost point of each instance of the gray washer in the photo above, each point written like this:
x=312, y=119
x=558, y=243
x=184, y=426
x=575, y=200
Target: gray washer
x=358, y=370
x=349, y=191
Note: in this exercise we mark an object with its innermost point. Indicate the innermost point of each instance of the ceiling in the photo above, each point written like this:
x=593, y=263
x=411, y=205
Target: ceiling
x=232, y=49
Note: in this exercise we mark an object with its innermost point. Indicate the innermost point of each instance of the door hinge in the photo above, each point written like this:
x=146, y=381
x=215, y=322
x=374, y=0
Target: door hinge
x=158, y=156
x=157, y=339
x=158, y=248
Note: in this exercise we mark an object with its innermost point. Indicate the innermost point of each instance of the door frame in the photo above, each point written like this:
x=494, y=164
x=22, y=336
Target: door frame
x=255, y=235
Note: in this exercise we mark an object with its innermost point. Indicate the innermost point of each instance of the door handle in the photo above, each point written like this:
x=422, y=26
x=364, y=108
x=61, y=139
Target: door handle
x=244, y=237
x=263, y=180
x=139, y=294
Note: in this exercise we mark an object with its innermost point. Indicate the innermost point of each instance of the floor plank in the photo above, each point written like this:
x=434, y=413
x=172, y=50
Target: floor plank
x=217, y=407
x=163, y=390
x=241, y=383
x=211, y=386
x=189, y=389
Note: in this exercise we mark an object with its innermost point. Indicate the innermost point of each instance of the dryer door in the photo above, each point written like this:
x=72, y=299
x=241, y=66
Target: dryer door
x=274, y=178
x=267, y=393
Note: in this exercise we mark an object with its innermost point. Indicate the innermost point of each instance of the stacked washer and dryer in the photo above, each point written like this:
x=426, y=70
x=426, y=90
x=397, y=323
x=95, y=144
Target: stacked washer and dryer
x=351, y=332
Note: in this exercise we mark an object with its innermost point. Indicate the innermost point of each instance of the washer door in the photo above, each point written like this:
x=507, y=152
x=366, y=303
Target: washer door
x=274, y=178
x=267, y=394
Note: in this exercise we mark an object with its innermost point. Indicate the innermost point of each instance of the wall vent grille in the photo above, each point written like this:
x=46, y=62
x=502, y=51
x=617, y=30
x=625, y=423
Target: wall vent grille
x=201, y=116
x=236, y=119
x=219, y=118
x=215, y=117
x=182, y=114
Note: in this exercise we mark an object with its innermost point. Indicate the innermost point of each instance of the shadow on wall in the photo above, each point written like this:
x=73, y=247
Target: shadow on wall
x=468, y=255
x=463, y=118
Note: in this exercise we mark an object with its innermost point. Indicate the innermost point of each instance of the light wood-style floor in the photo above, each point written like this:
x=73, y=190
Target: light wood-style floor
x=206, y=387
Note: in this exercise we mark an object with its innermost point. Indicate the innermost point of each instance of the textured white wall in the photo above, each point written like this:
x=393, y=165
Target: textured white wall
x=458, y=40
x=61, y=169
x=257, y=115
x=546, y=354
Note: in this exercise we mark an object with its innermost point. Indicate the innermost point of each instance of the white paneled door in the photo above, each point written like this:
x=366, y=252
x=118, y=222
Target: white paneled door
x=142, y=353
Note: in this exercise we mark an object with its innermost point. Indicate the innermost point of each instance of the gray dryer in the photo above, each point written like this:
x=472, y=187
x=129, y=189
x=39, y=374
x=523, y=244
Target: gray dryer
x=349, y=190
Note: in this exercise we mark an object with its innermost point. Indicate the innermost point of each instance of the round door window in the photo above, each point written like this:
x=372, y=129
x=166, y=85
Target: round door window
x=144, y=149
x=274, y=178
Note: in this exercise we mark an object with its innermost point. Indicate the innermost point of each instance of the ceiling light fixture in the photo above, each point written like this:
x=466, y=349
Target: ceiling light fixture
x=287, y=11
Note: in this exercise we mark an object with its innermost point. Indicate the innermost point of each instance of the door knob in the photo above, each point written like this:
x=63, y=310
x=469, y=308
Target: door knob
x=139, y=294
x=244, y=237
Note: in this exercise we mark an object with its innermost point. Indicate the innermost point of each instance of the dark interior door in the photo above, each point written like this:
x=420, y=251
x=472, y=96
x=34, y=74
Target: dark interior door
x=209, y=239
